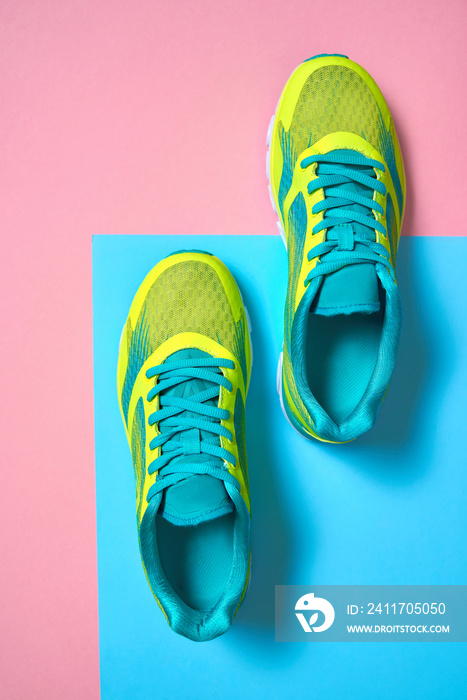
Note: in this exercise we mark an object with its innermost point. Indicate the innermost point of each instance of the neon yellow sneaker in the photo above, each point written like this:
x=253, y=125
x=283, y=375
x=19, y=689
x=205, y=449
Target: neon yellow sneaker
x=337, y=185
x=183, y=373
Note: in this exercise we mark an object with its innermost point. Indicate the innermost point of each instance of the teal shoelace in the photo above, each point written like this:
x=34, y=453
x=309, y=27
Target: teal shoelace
x=180, y=434
x=335, y=171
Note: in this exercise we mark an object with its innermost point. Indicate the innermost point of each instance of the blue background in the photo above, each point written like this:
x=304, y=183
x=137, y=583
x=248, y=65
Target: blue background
x=389, y=508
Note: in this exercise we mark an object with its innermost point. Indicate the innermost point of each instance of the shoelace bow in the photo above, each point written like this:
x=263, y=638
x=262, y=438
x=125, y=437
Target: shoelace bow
x=180, y=435
x=334, y=172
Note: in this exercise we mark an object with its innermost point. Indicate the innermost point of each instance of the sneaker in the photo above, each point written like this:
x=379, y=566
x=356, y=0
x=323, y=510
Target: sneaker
x=183, y=373
x=337, y=185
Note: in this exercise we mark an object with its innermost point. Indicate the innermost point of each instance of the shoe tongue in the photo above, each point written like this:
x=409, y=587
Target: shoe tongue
x=199, y=497
x=354, y=288
x=195, y=500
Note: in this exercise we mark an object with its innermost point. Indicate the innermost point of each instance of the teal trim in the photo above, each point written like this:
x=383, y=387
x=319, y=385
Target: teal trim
x=298, y=219
x=186, y=250
x=239, y=428
x=389, y=155
x=239, y=348
x=138, y=451
x=391, y=229
x=139, y=350
x=289, y=160
x=322, y=55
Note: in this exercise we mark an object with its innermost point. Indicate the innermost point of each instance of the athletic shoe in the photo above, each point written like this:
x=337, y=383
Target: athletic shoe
x=337, y=184
x=183, y=372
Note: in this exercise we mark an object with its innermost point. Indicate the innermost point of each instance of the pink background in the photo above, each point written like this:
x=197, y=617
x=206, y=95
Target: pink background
x=144, y=118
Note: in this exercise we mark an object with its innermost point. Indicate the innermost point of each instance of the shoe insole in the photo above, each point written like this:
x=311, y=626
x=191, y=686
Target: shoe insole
x=341, y=354
x=197, y=560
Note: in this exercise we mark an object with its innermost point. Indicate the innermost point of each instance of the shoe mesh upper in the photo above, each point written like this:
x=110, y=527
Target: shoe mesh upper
x=334, y=98
x=187, y=297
